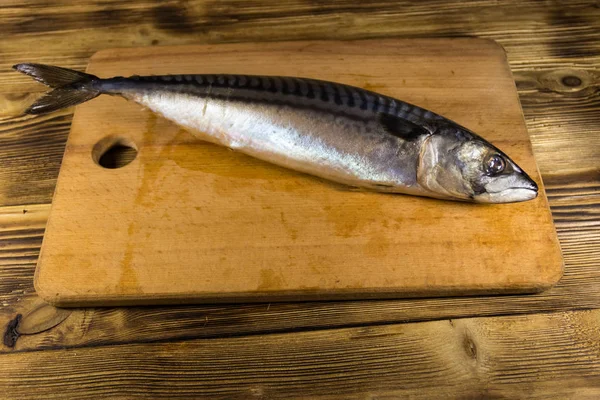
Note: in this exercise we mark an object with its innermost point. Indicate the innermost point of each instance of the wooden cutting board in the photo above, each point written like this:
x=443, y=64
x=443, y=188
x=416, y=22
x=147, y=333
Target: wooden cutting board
x=188, y=221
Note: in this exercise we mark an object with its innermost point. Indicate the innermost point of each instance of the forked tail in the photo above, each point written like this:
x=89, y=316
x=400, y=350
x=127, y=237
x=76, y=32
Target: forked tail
x=70, y=87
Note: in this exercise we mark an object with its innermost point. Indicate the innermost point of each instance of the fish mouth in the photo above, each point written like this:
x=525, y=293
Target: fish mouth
x=528, y=190
x=527, y=186
x=514, y=195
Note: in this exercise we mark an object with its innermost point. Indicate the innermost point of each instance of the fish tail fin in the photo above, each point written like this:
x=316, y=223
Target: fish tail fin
x=70, y=87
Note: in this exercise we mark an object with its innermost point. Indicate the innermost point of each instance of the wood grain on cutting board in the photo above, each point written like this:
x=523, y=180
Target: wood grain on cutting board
x=189, y=221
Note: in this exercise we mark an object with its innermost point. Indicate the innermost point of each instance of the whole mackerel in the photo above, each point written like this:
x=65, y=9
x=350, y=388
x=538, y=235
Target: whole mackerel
x=331, y=130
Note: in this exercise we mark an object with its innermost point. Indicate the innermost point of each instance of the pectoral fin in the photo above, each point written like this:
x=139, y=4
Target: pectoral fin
x=401, y=128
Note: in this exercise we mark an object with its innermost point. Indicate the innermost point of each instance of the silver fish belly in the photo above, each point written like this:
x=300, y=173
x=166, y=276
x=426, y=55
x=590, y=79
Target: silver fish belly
x=337, y=147
x=335, y=131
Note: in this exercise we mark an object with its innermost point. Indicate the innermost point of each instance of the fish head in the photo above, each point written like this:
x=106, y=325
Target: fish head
x=466, y=167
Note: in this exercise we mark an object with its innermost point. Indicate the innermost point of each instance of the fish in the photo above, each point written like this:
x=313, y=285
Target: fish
x=334, y=131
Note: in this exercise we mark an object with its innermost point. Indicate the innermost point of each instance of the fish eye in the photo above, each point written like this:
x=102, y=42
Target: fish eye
x=495, y=164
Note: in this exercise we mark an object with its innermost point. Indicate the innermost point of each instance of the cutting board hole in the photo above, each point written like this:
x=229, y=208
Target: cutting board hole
x=114, y=152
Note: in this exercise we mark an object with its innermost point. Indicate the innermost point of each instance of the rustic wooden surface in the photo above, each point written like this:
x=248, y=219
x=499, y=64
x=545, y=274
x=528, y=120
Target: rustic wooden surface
x=343, y=349
x=191, y=222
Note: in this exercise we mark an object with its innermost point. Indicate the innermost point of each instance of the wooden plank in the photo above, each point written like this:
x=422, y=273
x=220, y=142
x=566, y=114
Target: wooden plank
x=21, y=235
x=546, y=355
x=32, y=150
x=546, y=44
x=139, y=23
x=21, y=231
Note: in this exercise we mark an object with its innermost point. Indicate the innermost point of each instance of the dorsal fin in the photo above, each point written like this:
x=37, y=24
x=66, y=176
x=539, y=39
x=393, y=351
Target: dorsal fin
x=402, y=128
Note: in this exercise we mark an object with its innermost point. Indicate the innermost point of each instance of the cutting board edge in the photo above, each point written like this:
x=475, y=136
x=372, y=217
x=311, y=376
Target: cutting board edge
x=62, y=297
x=104, y=55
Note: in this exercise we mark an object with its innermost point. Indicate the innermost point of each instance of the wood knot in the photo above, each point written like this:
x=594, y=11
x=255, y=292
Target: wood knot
x=571, y=81
x=470, y=347
x=566, y=80
x=11, y=334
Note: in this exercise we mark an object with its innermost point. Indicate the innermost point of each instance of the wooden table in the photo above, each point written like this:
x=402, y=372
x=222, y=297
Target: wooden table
x=548, y=348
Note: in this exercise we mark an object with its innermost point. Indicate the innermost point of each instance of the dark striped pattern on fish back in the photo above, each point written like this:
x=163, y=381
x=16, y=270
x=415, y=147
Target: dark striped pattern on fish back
x=290, y=89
